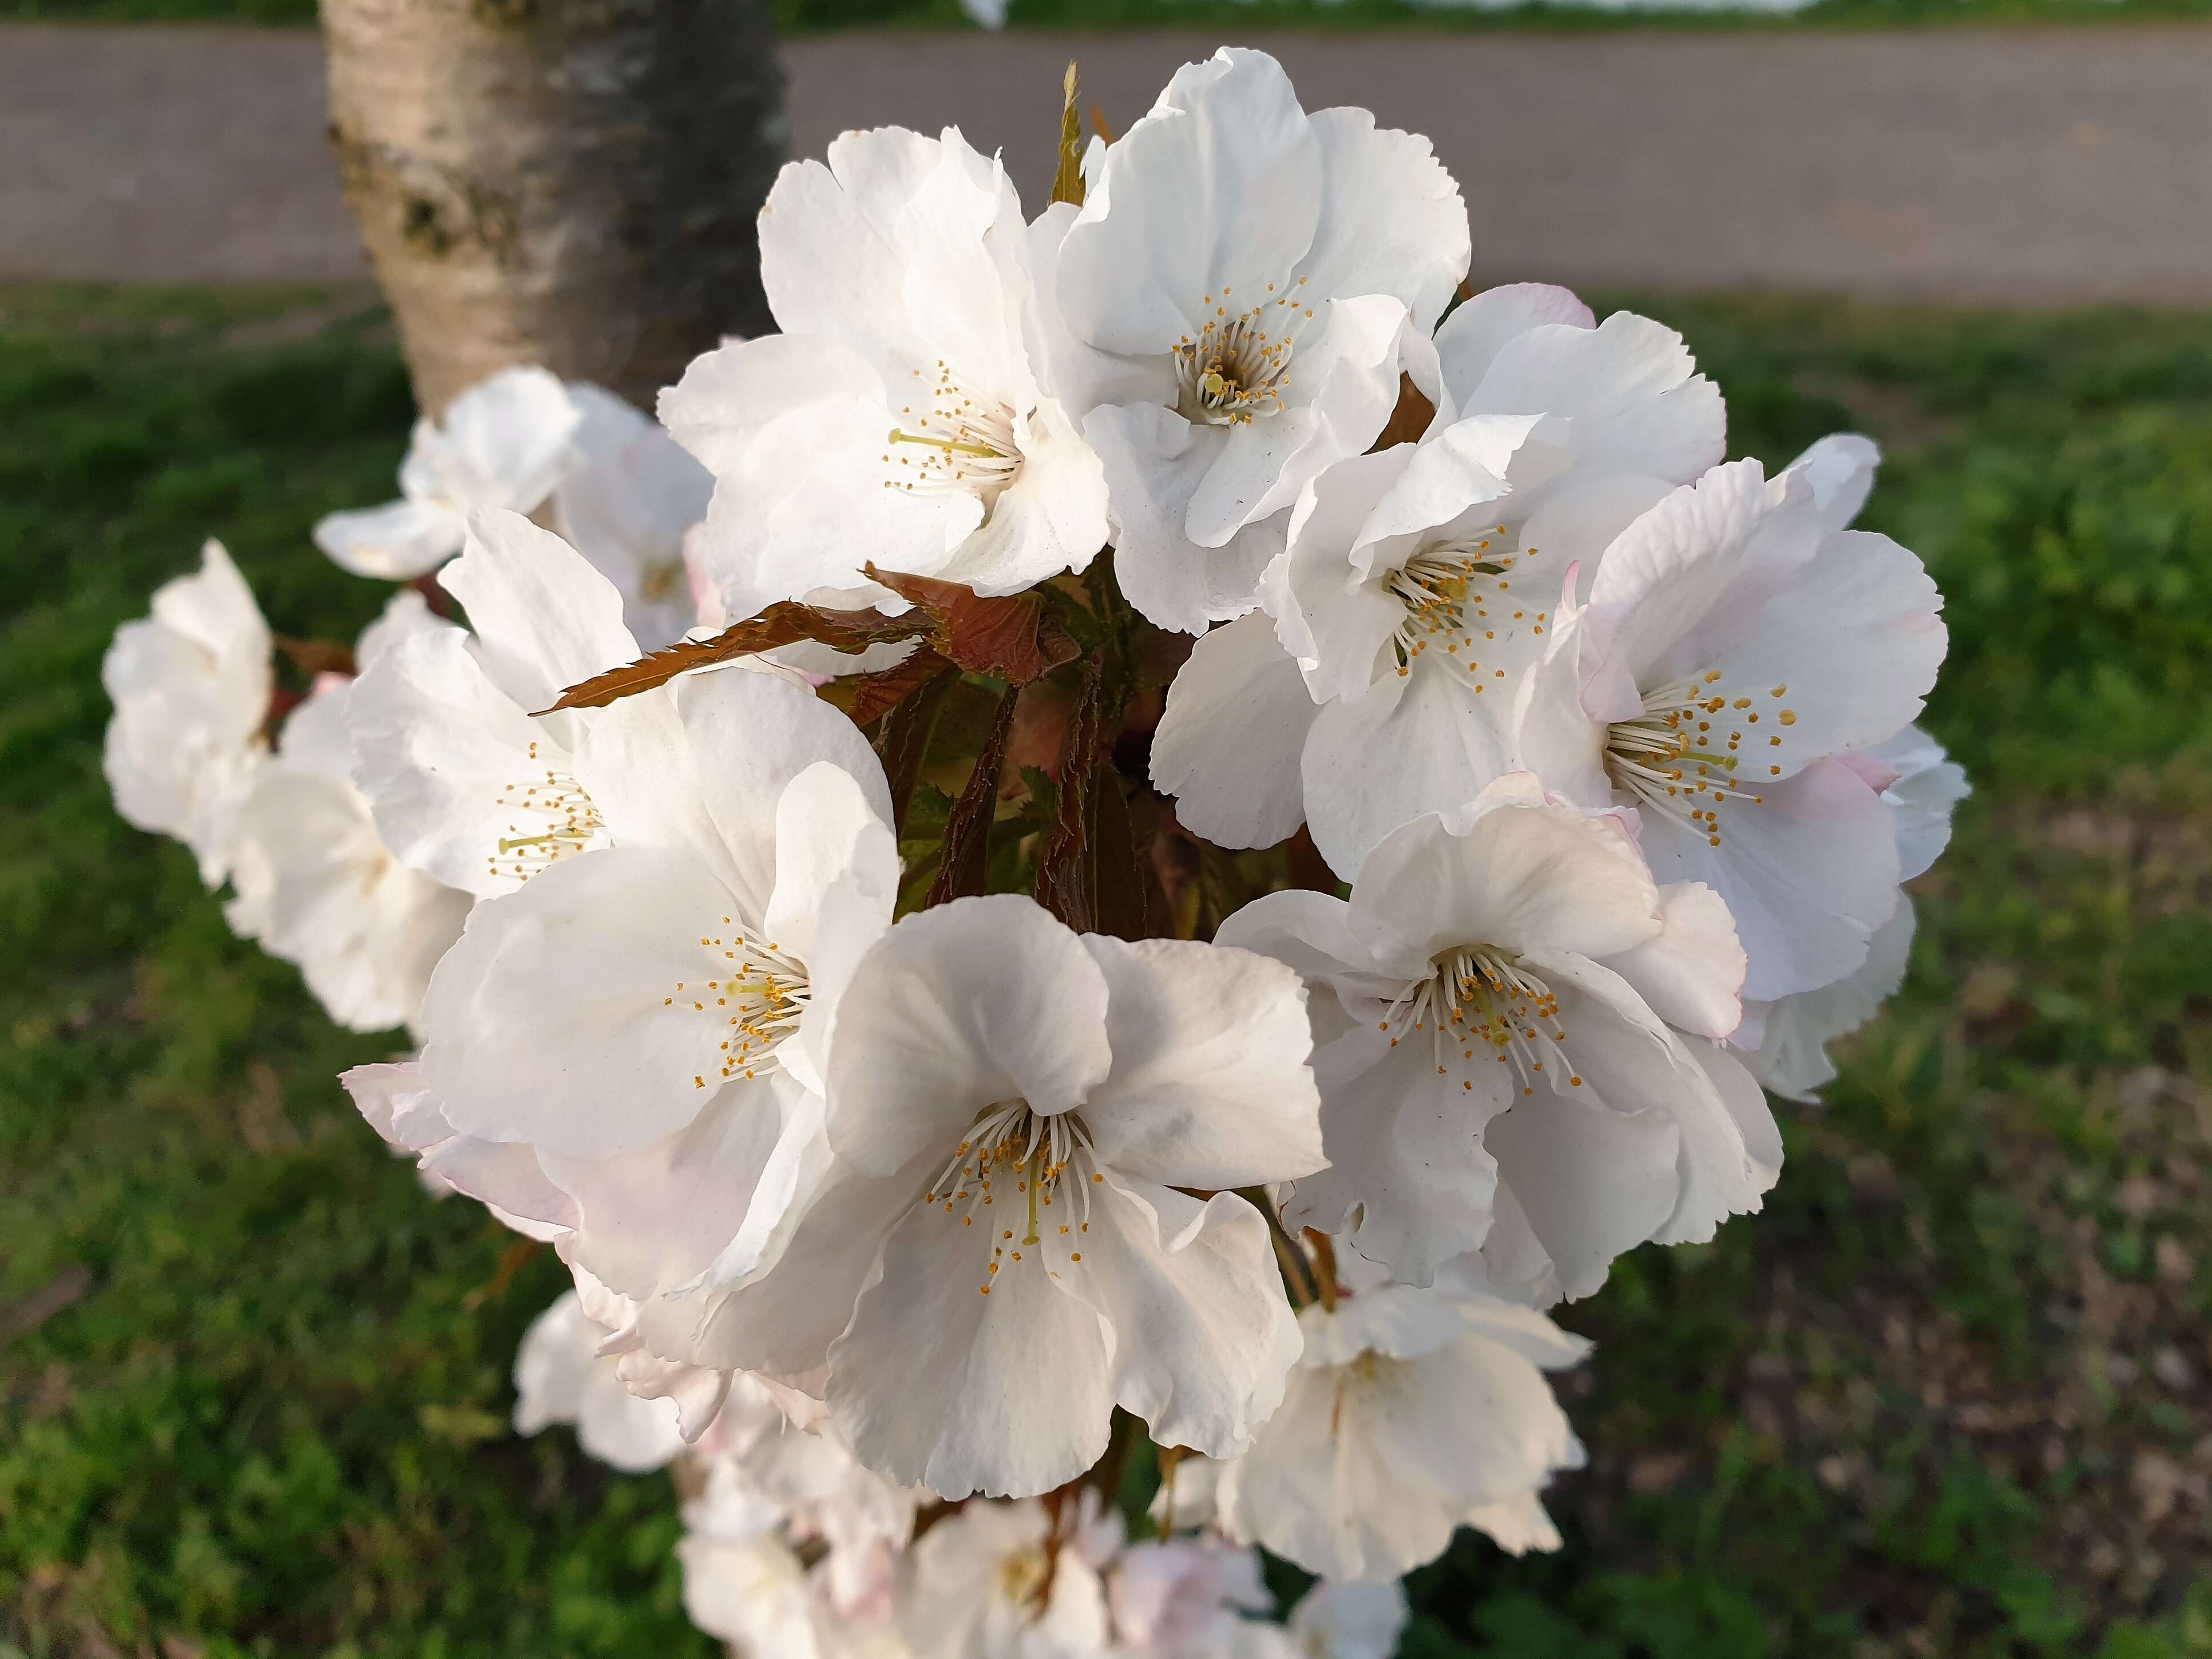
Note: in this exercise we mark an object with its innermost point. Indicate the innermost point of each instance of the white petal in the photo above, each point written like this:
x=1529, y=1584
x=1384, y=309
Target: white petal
x=558, y=1020
x=1409, y=1180
x=1690, y=580
x=1469, y=340
x=957, y=1008
x=1424, y=742
x=1319, y=936
x=503, y=442
x=445, y=758
x=1314, y=1489
x=1473, y=1423
x=1517, y=1525
x=1328, y=612
x=395, y=543
x=1391, y=218
x=1840, y=467
x=702, y=767
x=1217, y=188
x=782, y=1321
x=827, y=825
x=1928, y=786
x=1629, y=385
x=1353, y=1620
x=1855, y=637
x=938, y=1385
x=650, y=1220
x=831, y=258
x=625, y=504
x=1518, y=872
x=1202, y=1336
x=1209, y=1086
x=1592, y=1182
x=543, y=619
x=550, y=1364
x=1692, y=971
x=1790, y=1057
x=730, y=396
x=1052, y=518
x=1155, y=461
x=215, y=609
x=1228, y=746
x=1808, y=871
x=1730, y=1158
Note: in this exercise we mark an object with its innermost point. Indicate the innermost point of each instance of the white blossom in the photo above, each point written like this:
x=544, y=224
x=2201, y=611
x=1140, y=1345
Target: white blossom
x=508, y=1180
x=1350, y=1619
x=900, y=417
x=1007, y=1580
x=1411, y=1413
x=753, y=1591
x=1237, y=292
x=1184, y=1598
x=1785, y=1042
x=469, y=781
x=1418, y=582
x=502, y=443
x=560, y=1378
x=315, y=885
x=627, y=500
x=192, y=685
x=1000, y=1253
x=1508, y=994
x=1737, y=650
x=648, y=1017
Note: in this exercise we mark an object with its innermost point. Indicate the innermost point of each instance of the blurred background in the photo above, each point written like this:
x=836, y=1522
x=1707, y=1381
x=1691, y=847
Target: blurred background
x=1952, y=1394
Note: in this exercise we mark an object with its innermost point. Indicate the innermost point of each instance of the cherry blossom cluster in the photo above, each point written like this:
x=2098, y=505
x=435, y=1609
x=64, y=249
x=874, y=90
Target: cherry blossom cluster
x=1156, y=825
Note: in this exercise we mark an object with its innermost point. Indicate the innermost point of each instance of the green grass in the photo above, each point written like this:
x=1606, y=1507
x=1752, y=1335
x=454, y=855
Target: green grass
x=813, y=16
x=1946, y=1396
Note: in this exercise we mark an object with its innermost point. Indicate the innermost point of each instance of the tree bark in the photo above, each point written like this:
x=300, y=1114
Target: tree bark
x=571, y=183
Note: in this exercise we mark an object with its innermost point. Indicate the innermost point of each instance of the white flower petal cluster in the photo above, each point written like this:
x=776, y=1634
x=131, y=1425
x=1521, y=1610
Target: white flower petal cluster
x=1420, y=582
x=1412, y=1412
x=316, y=886
x=467, y=784
x=1510, y=1000
x=560, y=1376
x=610, y=478
x=629, y=499
x=1785, y=1042
x=192, y=685
x=903, y=418
x=1238, y=297
x=502, y=443
x=890, y=1217
x=1005, y=1247
x=1735, y=653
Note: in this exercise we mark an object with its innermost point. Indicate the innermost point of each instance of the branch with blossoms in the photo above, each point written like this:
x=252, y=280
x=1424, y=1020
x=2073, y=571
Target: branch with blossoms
x=1153, y=825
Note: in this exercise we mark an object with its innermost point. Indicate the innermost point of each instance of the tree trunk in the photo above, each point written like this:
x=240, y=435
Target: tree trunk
x=572, y=183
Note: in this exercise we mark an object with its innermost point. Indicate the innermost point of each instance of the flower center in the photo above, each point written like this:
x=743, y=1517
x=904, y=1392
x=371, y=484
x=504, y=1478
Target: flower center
x=1481, y=999
x=1034, y=1151
x=1681, y=757
x=1238, y=365
x=1024, y=1578
x=952, y=438
x=758, y=1000
x=1458, y=595
x=553, y=819
x=662, y=581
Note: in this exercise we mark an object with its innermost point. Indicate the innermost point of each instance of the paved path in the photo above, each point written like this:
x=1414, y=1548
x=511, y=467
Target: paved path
x=2050, y=164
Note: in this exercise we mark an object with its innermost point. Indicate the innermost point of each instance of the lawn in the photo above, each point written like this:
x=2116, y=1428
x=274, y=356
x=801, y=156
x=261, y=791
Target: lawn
x=1948, y=1396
